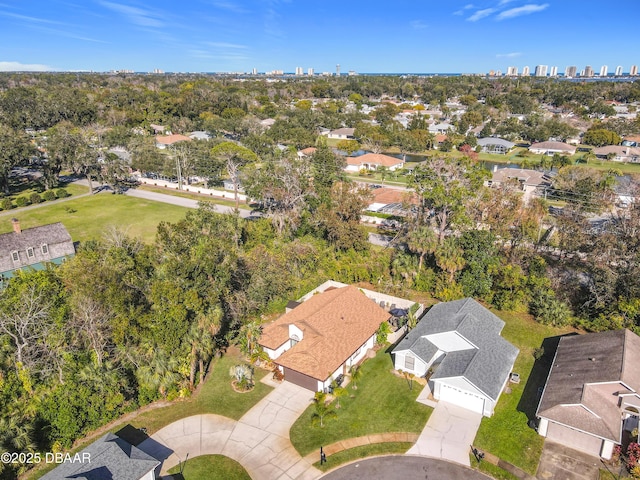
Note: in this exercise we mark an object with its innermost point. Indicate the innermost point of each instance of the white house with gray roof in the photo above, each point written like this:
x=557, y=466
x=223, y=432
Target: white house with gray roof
x=110, y=457
x=460, y=343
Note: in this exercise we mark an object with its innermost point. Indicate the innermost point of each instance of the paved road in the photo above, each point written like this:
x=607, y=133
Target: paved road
x=259, y=441
x=404, y=468
x=181, y=201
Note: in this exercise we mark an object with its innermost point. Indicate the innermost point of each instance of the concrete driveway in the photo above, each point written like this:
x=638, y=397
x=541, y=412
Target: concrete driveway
x=561, y=463
x=259, y=441
x=448, y=434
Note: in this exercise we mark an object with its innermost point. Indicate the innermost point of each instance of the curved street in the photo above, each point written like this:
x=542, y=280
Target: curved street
x=403, y=467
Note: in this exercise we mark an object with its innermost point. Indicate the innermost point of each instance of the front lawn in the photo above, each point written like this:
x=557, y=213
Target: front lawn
x=86, y=218
x=215, y=396
x=507, y=434
x=382, y=403
x=210, y=466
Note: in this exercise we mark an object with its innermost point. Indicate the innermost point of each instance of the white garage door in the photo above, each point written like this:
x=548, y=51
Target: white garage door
x=461, y=398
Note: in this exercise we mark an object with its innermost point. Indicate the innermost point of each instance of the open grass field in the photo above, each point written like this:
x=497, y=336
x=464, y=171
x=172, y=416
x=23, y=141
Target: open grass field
x=87, y=217
x=381, y=403
x=507, y=434
x=210, y=466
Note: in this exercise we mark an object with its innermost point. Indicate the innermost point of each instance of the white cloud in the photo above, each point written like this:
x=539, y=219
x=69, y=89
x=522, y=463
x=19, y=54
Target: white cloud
x=524, y=10
x=28, y=19
x=226, y=45
x=24, y=67
x=480, y=14
x=509, y=55
x=137, y=16
x=230, y=6
x=418, y=25
x=504, y=2
x=462, y=11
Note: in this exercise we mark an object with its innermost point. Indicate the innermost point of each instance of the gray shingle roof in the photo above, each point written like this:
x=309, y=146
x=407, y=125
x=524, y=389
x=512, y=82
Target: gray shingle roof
x=483, y=142
x=54, y=236
x=486, y=366
x=110, y=458
x=583, y=365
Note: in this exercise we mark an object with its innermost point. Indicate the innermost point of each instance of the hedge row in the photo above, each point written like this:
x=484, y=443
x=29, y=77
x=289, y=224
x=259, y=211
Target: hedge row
x=33, y=199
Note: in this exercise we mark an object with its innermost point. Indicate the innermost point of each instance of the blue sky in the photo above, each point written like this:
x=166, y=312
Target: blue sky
x=366, y=36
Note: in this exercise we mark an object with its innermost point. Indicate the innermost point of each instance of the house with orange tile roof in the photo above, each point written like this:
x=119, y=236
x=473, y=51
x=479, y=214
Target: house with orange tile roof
x=327, y=332
x=373, y=161
x=165, y=141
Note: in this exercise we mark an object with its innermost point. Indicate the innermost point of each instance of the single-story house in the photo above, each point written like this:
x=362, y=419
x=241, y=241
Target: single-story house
x=33, y=247
x=325, y=333
x=342, y=133
x=458, y=346
x=158, y=128
x=391, y=200
x=441, y=128
x=592, y=392
x=495, y=145
x=549, y=148
x=618, y=153
x=199, y=135
x=631, y=141
x=529, y=180
x=109, y=457
x=373, y=161
x=306, y=152
x=164, y=142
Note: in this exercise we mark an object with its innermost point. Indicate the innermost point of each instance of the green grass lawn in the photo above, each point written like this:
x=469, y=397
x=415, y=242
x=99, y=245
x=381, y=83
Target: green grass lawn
x=507, y=434
x=211, y=466
x=382, y=403
x=492, y=470
x=215, y=396
x=87, y=217
x=364, y=451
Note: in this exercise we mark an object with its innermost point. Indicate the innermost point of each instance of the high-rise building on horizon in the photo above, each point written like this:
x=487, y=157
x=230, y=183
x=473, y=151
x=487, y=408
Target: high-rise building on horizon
x=541, y=70
x=299, y=71
x=310, y=71
x=619, y=71
x=337, y=70
x=525, y=71
x=588, y=71
x=254, y=71
x=604, y=70
x=633, y=71
x=554, y=71
x=512, y=71
x=570, y=71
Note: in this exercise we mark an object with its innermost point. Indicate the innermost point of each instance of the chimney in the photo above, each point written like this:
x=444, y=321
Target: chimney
x=16, y=225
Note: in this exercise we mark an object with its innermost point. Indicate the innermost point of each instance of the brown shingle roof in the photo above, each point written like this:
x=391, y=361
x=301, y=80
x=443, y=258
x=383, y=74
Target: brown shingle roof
x=171, y=139
x=392, y=195
x=552, y=146
x=587, y=373
x=334, y=323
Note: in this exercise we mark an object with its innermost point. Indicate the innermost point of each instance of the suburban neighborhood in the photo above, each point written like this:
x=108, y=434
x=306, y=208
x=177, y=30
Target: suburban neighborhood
x=292, y=276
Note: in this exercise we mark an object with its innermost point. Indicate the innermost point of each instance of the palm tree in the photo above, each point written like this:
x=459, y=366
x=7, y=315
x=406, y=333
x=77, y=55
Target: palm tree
x=422, y=240
x=201, y=337
x=356, y=374
x=449, y=258
x=322, y=409
x=337, y=393
x=159, y=373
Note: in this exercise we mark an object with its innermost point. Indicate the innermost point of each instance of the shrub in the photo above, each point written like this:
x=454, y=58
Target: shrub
x=62, y=193
x=49, y=195
x=6, y=204
x=22, y=201
x=35, y=198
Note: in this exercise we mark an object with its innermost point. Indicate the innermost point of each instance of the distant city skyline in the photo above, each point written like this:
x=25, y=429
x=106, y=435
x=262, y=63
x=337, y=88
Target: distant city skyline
x=372, y=36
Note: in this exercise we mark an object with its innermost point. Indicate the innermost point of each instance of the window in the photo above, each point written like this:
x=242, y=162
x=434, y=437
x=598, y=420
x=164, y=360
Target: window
x=15, y=257
x=409, y=362
x=45, y=249
x=30, y=252
x=294, y=339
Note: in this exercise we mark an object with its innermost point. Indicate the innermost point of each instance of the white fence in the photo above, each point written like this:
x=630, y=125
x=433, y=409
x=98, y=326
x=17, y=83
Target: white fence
x=191, y=188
